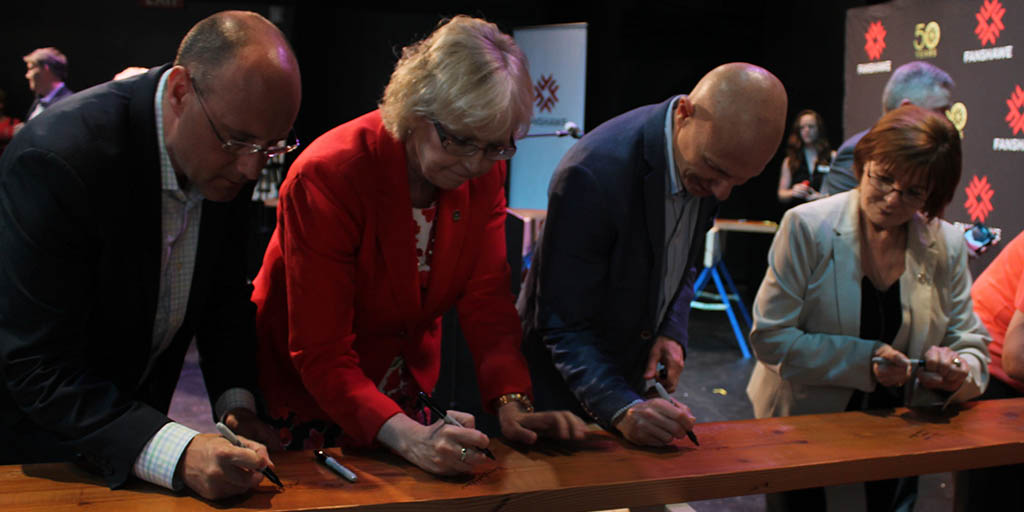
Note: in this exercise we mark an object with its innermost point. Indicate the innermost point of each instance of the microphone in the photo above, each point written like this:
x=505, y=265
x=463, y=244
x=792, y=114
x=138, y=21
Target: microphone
x=569, y=128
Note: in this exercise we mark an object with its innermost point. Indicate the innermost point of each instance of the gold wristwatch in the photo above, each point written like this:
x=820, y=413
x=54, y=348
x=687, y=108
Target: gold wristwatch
x=515, y=397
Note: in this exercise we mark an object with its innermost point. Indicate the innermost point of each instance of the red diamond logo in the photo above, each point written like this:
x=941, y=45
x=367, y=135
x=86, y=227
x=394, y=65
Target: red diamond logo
x=1015, y=118
x=545, y=93
x=990, y=21
x=979, y=198
x=874, y=40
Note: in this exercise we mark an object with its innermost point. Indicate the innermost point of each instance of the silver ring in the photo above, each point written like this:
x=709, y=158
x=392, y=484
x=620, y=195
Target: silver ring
x=462, y=454
x=956, y=362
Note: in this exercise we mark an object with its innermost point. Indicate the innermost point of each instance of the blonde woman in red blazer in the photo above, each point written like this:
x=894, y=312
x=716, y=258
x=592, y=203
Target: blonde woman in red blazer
x=384, y=223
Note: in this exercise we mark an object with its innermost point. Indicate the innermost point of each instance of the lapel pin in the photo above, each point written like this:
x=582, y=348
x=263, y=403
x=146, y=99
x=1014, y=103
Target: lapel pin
x=456, y=215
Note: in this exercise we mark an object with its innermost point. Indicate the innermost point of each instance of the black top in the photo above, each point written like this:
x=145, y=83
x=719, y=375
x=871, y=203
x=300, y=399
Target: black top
x=881, y=313
x=881, y=316
x=803, y=174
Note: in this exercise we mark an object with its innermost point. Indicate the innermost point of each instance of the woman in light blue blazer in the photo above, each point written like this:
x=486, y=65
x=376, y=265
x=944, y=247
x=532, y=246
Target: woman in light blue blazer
x=861, y=283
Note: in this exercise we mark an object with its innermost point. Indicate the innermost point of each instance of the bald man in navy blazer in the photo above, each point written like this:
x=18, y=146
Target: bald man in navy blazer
x=608, y=296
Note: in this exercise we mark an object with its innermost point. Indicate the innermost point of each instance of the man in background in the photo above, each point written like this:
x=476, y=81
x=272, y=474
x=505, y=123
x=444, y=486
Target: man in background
x=917, y=83
x=47, y=70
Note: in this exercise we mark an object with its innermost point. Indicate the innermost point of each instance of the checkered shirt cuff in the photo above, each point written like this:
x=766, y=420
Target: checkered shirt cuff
x=233, y=399
x=159, y=458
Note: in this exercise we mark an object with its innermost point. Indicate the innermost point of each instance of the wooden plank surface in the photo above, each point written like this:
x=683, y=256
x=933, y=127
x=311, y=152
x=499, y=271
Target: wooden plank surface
x=747, y=226
x=735, y=458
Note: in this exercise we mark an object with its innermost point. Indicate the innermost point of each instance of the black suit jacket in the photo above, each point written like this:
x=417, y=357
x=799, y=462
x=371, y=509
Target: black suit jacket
x=80, y=253
x=841, y=176
x=62, y=93
x=590, y=302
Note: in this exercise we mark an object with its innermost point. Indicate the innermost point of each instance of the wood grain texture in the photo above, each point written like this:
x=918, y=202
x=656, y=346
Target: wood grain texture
x=747, y=226
x=735, y=458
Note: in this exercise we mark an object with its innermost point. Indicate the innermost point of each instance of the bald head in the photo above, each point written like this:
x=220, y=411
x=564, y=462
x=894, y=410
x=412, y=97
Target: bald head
x=224, y=38
x=728, y=128
x=235, y=84
x=746, y=100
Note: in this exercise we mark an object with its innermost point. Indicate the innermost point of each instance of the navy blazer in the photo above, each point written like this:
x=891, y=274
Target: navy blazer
x=61, y=93
x=590, y=302
x=80, y=254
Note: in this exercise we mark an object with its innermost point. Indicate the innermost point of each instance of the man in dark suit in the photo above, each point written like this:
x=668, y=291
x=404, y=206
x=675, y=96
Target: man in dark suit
x=608, y=295
x=46, y=70
x=121, y=236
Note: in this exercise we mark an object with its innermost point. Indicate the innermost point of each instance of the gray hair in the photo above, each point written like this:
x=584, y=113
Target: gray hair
x=917, y=82
x=466, y=74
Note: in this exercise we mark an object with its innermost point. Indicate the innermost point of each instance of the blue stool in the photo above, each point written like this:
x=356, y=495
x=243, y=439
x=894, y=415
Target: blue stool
x=714, y=270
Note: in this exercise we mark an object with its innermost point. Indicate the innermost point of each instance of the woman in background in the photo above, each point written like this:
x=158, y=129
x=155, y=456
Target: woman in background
x=808, y=155
x=385, y=223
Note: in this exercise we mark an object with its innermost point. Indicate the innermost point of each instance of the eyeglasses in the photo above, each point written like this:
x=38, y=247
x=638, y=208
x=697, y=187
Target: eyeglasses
x=240, y=148
x=915, y=196
x=461, y=147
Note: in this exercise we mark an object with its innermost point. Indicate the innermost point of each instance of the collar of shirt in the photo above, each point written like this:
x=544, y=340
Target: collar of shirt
x=168, y=180
x=673, y=175
x=46, y=100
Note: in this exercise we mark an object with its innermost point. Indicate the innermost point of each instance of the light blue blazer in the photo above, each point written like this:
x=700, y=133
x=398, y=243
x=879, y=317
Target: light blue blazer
x=807, y=311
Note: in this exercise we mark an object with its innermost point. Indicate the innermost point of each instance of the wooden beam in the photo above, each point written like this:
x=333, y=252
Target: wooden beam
x=735, y=458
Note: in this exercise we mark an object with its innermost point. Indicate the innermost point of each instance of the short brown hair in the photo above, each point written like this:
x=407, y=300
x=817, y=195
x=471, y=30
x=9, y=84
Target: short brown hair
x=915, y=144
x=52, y=59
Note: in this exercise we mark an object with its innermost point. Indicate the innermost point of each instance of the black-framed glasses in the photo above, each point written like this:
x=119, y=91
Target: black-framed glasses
x=914, y=196
x=239, y=148
x=461, y=147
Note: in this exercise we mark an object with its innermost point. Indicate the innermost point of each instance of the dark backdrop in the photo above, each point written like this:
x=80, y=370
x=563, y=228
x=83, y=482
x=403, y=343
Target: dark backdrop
x=951, y=34
x=638, y=53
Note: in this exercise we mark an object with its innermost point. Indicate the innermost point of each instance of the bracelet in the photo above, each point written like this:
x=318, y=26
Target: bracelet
x=515, y=397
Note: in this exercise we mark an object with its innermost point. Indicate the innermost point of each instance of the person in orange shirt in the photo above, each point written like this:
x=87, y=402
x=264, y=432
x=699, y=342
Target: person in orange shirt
x=999, y=301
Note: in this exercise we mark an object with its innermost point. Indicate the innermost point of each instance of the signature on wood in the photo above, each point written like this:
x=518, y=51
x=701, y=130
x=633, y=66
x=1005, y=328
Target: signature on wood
x=479, y=477
x=923, y=434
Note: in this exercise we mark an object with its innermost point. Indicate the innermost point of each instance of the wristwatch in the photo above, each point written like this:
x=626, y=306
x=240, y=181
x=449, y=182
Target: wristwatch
x=515, y=397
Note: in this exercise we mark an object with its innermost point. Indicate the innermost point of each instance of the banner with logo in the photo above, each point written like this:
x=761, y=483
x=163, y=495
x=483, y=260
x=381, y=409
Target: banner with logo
x=978, y=43
x=558, y=65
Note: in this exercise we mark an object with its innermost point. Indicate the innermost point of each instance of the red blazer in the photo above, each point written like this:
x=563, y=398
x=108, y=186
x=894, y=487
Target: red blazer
x=338, y=295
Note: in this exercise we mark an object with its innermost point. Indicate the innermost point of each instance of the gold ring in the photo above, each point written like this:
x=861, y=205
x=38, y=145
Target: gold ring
x=462, y=454
x=956, y=362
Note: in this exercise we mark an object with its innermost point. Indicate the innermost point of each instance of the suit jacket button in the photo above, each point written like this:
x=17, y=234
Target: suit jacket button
x=645, y=334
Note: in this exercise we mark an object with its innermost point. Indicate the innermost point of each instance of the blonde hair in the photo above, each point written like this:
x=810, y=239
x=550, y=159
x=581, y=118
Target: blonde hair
x=468, y=75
